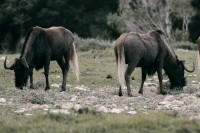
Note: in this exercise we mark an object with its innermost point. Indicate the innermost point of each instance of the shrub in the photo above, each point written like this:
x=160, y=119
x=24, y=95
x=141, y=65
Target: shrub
x=91, y=43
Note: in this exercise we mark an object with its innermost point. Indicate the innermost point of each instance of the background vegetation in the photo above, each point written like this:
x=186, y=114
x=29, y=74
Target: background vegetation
x=99, y=19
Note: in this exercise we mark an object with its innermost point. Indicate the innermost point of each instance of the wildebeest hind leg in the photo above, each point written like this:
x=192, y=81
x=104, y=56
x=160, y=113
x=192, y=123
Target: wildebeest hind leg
x=142, y=83
x=65, y=68
x=128, y=72
x=46, y=73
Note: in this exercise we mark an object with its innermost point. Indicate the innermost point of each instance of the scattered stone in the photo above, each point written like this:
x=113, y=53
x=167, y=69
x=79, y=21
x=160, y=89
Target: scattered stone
x=83, y=110
x=57, y=77
x=2, y=100
x=60, y=111
x=117, y=111
x=55, y=85
x=177, y=103
x=164, y=103
x=169, y=98
x=67, y=106
x=103, y=109
x=133, y=78
x=58, y=106
x=81, y=88
x=68, y=85
x=192, y=75
x=132, y=112
x=22, y=110
x=109, y=77
x=198, y=94
x=194, y=82
x=3, y=58
x=73, y=98
x=77, y=107
x=27, y=114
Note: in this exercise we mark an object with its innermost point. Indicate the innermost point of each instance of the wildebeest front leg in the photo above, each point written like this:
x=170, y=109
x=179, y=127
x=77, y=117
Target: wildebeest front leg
x=142, y=83
x=128, y=72
x=160, y=81
x=46, y=73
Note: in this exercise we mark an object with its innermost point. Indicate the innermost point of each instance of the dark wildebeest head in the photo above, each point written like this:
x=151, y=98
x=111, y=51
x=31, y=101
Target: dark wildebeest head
x=21, y=70
x=176, y=76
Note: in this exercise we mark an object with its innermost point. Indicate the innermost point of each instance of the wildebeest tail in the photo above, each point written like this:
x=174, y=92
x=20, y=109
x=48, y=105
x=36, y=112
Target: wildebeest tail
x=74, y=61
x=120, y=60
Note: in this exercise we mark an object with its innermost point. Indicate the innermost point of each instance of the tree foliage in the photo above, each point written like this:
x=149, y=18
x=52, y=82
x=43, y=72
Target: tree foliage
x=87, y=18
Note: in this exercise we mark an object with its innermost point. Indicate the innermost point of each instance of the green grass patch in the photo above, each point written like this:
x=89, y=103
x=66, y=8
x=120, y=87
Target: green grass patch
x=94, y=122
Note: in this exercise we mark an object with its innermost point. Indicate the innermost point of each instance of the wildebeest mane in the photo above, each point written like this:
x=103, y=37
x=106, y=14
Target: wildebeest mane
x=25, y=42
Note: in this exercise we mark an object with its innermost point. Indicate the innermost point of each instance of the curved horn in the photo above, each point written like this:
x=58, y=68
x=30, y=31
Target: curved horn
x=24, y=63
x=187, y=69
x=6, y=67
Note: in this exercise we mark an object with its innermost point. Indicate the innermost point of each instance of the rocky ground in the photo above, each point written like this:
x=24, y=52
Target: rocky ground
x=80, y=98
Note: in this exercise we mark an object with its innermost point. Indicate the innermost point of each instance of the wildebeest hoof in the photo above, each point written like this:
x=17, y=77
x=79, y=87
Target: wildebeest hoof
x=31, y=87
x=164, y=93
x=130, y=95
x=63, y=89
x=120, y=94
x=140, y=92
x=47, y=88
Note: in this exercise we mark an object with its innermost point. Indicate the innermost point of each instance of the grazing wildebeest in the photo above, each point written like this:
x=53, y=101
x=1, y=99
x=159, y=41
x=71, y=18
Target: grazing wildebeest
x=41, y=46
x=150, y=52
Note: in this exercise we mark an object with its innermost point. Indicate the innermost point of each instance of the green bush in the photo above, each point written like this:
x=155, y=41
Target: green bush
x=91, y=44
x=179, y=35
x=184, y=45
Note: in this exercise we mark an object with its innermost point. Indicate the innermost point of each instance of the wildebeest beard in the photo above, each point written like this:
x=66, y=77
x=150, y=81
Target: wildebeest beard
x=177, y=80
x=21, y=77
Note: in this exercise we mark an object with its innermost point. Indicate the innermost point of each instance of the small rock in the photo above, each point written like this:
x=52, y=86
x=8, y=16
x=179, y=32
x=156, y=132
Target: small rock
x=194, y=82
x=177, y=103
x=169, y=98
x=67, y=106
x=22, y=110
x=2, y=100
x=55, y=85
x=60, y=111
x=117, y=111
x=58, y=106
x=198, y=94
x=164, y=103
x=73, y=98
x=3, y=58
x=132, y=78
x=27, y=114
x=77, y=107
x=80, y=88
x=103, y=109
x=132, y=112
x=44, y=106
x=83, y=110
x=109, y=77
x=57, y=77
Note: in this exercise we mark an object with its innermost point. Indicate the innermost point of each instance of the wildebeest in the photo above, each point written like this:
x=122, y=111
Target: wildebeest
x=41, y=46
x=150, y=52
